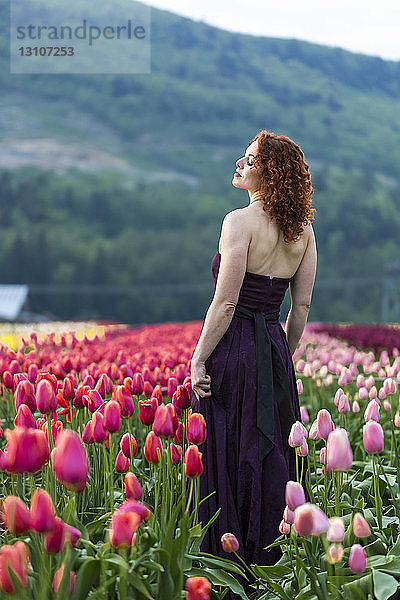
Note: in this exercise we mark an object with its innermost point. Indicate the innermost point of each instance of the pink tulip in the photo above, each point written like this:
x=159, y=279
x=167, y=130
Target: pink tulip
x=95, y=400
x=324, y=424
x=335, y=553
x=133, y=489
x=313, y=433
x=397, y=419
x=121, y=463
x=165, y=421
x=157, y=394
x=288, y=515
x=179, y=434
x=54, y=541
x=303, y=449
x=123, y=529
x=373, y=393
x=87, y=435
x=153, y=449
x=363, y=393
x=361, y=529
x=42, y=512
x=339, y=392
x=137, y=384
x=284, y=527
x=296, y=434
x=198, y=588
x=58, y=577
x=373, y=437
x=125, y=445
x=357, y=559
x=299, y=385
x=196, y=430
x=27, y=450
x=355, y=407
x=339, y=453
x=372, y=411
x=294, y=494
x=24, y=417
x=45, y=397
x=343, y=404
x=304, y=414
x=336, y=531
x=32, y=372
x=112, y=416
x=16, y=515
x=387, y=406
x=98, y=432
x=24, y=394
x=360, y=381
x=171, y=386
x=14, y=558
x=229, y=542
x=193, y=462
x=309, y=519
x=70, y=461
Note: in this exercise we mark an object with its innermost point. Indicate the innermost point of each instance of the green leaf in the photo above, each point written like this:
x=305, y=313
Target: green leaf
x=272, y=570
x=139, y=585
x=395, y=550
x=213, y=561
x=86, y=578
x=384, y=585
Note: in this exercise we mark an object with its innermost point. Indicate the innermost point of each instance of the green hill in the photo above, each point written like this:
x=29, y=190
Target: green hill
x=172, y=137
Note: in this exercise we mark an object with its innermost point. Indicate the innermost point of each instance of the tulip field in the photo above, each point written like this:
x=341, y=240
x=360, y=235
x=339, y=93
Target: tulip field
x=100, y=460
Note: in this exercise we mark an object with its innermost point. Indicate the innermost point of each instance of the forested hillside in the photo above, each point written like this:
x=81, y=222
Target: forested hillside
x=208, y=93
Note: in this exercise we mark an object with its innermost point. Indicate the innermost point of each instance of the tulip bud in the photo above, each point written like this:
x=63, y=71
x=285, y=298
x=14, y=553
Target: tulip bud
x=309, y=519
x=288, y=515
x=193, y=462
x=324, y=424
x=363, y=393
x=303, y=449
x=27, y=450
x=24, y=394
x=338, y=451
x=157, y=393
x=313, y=433
x=335, y=553
x=343, y=404
x=294, y=494
x=171, y=386
x=32, y=372
x=121, y=463
x=16, y=515
x=372, y=411
x=229, y=542
x=98, y=432
x=58, y=577
x=146, y=412
x=95, y=400
x=125, y=445
x=182, y=397
x=179, y=434
x=176, y=453
x=296, y=434
x=196, y=430
x=335, y=532
x=357, y=558
x=387, y=406
x=13, y=558
x=355, y=406
x=70, y=461
x=133, y=489
x=304, y=414
x=153, y=449
x=42, y=512
x=112, y=416
x=165, y=421
x=87, y=435
x=54, y=541
x=123, y=529
x=299, y=385
x=397, y=419
x=137, y=384
x=123, y=397
x=373, y=437
x=198, y=588
x=284, y=527
x=24, y=417
x=361, y=529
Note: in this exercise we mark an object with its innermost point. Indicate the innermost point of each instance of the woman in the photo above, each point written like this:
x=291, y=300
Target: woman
x=242, y=371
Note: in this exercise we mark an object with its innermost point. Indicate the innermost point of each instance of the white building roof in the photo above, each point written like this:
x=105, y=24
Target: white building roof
x=12, y=298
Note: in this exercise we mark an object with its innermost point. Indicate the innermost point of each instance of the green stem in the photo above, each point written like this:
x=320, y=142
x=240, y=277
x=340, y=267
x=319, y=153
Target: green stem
x=377, y=496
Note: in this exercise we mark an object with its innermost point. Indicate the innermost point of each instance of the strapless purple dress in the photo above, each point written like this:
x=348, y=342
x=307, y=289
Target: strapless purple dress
x=250, y=492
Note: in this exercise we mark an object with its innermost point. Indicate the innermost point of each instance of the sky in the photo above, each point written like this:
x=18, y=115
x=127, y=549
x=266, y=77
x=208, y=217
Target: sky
x=365, y=26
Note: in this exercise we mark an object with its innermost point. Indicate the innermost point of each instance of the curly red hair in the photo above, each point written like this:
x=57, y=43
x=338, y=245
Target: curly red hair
x=285, y=182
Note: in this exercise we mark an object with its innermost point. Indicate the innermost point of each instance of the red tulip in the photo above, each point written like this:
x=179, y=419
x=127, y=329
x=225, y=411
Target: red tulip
x=50, y=377
x=193, y=462
x=182, y=397
x=373, y=437
x=133, y=489
x=229, y=542
x=68, y=390
x=179, y=434
x=165, y=421
x=16, y=515
x=198, y=588
x=24, y=417
x=24, y=394
x=146, y=412
x=112, y=416
x=58, y=577
x=123, y=396
x=153, y=449
x=70, y=461
x=121, y=463
x=27, y=450
x=196, y=431
x=176, y=453
x=125, y=445
x=42, y=512
x=16, y=559
x=147, y=389
x=45, y=397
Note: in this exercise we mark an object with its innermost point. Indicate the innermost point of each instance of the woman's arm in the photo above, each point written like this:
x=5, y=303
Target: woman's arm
x=232, y=268
x=301, y=288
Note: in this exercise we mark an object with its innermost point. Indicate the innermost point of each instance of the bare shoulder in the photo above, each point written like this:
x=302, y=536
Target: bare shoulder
x=235, y=225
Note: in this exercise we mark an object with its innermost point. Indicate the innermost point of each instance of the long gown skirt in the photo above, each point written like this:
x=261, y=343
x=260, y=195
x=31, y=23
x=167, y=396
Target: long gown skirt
x=250, y=493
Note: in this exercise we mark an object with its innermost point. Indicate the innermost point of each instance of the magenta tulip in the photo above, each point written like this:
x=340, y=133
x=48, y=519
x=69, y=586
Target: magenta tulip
x=16, y=515
x=229, y=542
x=121, y=463
x=125, y=445
x=27, y=450
x=153, y=449
x=165, y=421
x=43, y=514
x=24, y=394
x=45, y=397
x=357, y=559
x=24, y=417
x=193, y=462
x=70, y=461
x=133, y=489
x=13, y=558
x=112, y=416
x=196, y=429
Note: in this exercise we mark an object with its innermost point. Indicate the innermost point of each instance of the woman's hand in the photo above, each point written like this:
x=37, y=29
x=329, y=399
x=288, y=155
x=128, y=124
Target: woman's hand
x=201, y=382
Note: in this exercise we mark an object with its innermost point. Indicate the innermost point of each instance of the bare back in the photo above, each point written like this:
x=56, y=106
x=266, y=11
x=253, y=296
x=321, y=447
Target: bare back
x=268, y=254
